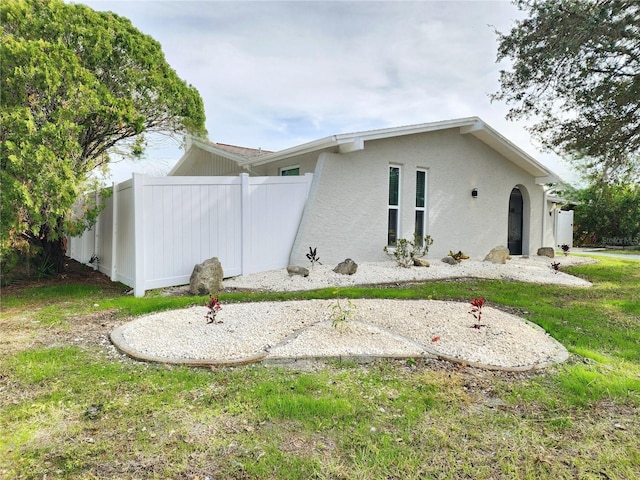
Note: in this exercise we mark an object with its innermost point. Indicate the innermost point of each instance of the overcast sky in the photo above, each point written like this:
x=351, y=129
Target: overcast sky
x=277, y=74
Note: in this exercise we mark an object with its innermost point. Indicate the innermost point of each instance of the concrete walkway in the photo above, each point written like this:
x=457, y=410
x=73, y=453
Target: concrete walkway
x=603, y=252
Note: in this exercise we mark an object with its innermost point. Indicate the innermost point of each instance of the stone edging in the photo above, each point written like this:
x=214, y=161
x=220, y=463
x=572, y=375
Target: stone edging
x=264, y=357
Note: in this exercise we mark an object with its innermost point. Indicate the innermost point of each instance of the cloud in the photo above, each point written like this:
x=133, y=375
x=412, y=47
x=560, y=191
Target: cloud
x=275, y=74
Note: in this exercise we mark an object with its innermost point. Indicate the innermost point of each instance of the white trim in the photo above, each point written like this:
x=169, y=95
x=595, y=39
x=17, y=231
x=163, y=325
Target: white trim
x=397, y=207
x=349, y=142
x=425, y=208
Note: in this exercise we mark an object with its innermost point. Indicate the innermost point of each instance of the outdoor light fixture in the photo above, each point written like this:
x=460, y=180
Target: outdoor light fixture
x=474, y=193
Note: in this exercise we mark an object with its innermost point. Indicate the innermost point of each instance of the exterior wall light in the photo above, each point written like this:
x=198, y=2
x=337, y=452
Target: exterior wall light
x=474, y=193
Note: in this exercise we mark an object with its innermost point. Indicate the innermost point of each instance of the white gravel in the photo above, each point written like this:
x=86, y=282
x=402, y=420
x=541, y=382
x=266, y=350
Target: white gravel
x=275, y=331
x=533, y=269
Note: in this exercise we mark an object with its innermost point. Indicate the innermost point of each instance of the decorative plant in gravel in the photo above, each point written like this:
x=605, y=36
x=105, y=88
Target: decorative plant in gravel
x=340, y=313
x=313, y=256
x=476, y=311
x=555, y=266
x=405, y=250
x=565, y=249
x=458, y=256
x=213, y=304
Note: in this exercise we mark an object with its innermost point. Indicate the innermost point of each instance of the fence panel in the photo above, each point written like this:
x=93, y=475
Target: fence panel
x=187, y=221
x=276, y=206
x=153, y=231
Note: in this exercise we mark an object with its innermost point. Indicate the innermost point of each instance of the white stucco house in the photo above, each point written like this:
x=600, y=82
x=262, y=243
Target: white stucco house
x=459, y=181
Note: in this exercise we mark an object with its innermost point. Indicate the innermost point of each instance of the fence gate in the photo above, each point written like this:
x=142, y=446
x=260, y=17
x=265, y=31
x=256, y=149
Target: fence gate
x=564, y=228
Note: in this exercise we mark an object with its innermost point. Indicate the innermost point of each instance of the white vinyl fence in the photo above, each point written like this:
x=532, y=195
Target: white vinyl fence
x=153, y=231
x=564, y=228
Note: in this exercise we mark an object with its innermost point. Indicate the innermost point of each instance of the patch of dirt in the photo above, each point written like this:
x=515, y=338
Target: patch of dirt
x=75, y=273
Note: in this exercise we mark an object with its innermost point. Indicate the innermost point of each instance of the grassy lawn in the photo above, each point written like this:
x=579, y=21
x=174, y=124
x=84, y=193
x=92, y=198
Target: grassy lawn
x=72, y=407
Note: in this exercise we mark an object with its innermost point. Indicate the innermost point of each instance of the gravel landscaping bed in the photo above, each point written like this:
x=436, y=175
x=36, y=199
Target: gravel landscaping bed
x=275, y=332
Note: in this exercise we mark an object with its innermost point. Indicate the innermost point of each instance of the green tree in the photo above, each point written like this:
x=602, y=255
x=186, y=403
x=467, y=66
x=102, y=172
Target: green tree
x=75, y=84
x=576, y=71
x=607, y=214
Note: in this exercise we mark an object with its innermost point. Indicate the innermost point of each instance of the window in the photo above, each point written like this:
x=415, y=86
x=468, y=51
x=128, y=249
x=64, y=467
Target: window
x=394, y=206
x=289, y=171
x=421, y=205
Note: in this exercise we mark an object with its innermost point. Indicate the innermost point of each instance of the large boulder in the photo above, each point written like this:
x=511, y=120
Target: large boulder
x=420, y=262
x=449, y=260
x=348, y=267
x=546, y=252
x=206, y=277
x=499, y=254
x=296, y=270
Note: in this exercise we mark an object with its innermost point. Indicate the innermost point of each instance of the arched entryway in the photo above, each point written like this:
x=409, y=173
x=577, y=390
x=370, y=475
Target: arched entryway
x=515, y=229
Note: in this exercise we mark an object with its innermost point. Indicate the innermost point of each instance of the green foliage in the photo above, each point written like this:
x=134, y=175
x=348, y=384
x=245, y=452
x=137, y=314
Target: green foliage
x=574, y=67
x=458, y=256
x=75, y=85
x=607, y=214
x=406, y=250
x=339, y=313
x=409, y=420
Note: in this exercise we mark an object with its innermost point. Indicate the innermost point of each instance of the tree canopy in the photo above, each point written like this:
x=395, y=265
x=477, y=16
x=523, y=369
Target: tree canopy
x=576, y=72
x=75, y=83
x=607, y=214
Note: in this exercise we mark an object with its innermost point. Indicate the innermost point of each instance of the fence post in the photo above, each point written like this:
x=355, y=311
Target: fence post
x=96, y=234
x=246, y=223
x=138, y=235
x=114, y=231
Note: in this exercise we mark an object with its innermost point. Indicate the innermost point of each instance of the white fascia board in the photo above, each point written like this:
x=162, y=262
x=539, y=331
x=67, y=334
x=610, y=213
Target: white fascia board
x=547, y=179
x=179, y=163
x=358, y=139
x=555, y=199
x=195, y=143
x=407, y=130
x=207, y=147
x=351, y=146
x=321, y=144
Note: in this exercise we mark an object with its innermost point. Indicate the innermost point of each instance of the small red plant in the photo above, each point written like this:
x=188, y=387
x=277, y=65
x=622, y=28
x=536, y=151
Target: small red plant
x=213, y=304
x=476, y=311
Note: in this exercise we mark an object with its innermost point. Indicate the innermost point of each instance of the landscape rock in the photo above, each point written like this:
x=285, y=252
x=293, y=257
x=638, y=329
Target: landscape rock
x=546, y=252
x=296, y=270
x=206, y=277
x=499, y=254
x=348, y=267
x=449, y=260
x=420, y=262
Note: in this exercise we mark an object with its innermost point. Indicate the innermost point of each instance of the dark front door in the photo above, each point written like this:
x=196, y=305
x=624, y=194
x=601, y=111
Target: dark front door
x=514, y=242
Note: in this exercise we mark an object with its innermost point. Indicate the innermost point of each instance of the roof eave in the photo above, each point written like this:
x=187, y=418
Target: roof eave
x=321, y=144
x=515, y=154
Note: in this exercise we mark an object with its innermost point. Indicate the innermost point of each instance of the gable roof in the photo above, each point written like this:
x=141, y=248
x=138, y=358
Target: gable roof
x=244, y=152
x=350, y=142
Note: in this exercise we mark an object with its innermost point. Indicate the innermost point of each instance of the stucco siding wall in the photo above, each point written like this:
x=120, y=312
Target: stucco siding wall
x=346, y=215
x=306, y=163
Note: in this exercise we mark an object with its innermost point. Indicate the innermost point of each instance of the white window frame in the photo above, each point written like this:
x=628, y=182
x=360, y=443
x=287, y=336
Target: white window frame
x=286, y=169
x=424, y=208
x=391, y=207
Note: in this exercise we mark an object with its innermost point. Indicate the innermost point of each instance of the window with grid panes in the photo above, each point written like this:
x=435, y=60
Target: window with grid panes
x=421, y=205
x=393, y=223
